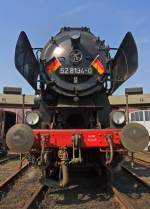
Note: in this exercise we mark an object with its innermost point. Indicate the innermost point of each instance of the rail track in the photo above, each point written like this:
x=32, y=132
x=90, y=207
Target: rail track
x=93, y=194
x=7, y=158
x=20, y=189
x=8, y=167
x=81, y=194
x=143, y=162
x=123, y=203
x=84, y=192
x=140, y=161
x=9, y=171
x=145, y=153
x=130, y=172
x=142, y=158
x=131, y=192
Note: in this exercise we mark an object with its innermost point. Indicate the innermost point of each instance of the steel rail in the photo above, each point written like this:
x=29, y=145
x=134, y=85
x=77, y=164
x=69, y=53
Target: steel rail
x=135, y=176
x=4, y=186
x=36, y=198
x=121, y=199
x=140, y=161
x=4, y=160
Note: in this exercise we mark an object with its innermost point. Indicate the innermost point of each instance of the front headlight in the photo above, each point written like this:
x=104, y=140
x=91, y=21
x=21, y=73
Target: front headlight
x=118, y=117
x=32, y=118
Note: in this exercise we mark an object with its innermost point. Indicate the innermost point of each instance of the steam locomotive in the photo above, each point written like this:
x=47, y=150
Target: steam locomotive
x=72, y=122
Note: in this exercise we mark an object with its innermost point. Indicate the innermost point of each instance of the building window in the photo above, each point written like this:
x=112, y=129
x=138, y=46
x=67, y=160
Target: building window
x=132, y=116
x=141, y=115
x=137, y=116
x=147, y=115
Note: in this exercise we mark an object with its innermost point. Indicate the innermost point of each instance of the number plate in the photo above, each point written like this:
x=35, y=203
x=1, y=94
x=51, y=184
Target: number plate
x=75, y=71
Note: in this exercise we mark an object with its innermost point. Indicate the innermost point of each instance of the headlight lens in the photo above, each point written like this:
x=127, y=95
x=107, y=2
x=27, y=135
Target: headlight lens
x=118, y=117
x=32, y=118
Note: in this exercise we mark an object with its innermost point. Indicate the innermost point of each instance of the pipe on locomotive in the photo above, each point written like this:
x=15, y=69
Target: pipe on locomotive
x=65, y=175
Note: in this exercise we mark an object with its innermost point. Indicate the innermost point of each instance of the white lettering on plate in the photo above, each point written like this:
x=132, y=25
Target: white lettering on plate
x=91, y=138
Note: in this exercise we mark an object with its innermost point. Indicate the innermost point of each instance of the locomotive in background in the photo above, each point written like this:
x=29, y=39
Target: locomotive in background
x=72, y=122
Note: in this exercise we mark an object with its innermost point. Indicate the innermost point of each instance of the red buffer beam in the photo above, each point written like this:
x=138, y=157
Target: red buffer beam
x=88, y=138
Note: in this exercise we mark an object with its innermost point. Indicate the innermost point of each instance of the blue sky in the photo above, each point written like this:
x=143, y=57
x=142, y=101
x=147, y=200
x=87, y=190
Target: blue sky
x=40, y=19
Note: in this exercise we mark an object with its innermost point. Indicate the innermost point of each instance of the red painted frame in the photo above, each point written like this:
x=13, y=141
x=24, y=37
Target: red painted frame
x=91, y=138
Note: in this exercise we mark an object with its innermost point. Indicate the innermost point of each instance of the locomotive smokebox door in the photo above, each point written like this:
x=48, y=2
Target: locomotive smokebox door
x=67, y=60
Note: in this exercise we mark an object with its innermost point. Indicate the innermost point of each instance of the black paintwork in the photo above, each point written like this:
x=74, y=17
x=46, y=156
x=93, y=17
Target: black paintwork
x=90, y=47
x=25, y=60
x=125, y=62
x=77, y=48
